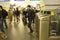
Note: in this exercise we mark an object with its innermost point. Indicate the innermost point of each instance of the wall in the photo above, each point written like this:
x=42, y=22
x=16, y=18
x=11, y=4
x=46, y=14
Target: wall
x=5, y=5
x=52, y=4
x=52, y=1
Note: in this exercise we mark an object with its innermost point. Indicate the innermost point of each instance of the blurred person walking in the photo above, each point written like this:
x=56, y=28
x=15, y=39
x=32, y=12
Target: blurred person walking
x=14, y=14
x=2, y=31
x=10, y=14
x=24, y=13
x=17, y=13
x=30, y=16
x=4, y=15
x=34, y=13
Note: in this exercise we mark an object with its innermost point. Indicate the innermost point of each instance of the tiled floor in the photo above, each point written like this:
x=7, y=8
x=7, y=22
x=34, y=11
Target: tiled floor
x=17, y=31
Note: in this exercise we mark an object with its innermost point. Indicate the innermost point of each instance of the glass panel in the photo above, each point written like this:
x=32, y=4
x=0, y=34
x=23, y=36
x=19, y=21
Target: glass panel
x=55, y=23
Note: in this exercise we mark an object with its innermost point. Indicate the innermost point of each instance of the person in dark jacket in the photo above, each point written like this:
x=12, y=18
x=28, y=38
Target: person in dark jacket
x=24, y=13
x=4, y=14
x=2, y=32
x=30, y=15
x=14, y=14
x=17, y=13
x=1, y=20
x=34, y=13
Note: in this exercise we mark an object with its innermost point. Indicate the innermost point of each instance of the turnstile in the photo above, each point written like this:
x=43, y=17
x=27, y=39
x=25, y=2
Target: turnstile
x=42, y=23
x=49, y=29
x=44, y=28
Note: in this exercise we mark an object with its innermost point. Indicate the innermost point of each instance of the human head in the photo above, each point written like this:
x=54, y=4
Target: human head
x=28, y=6
x=1, y=8
x=16, y=8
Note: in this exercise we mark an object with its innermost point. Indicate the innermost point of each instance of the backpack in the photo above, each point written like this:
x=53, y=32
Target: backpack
x=4, y=13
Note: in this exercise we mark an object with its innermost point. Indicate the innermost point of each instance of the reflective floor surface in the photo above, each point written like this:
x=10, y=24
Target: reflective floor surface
x=17, y=31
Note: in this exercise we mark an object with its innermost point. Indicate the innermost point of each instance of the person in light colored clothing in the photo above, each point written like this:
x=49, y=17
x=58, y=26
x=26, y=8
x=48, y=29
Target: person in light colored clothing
x=10, y=14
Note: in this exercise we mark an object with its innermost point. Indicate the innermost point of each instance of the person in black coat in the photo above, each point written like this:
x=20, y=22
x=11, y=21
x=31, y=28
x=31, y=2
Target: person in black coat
x=1, y=22
x=4, y=14
x=30, y=16
x=17, y=13
x=14, y=14
x=24, y=13
x=34, y=13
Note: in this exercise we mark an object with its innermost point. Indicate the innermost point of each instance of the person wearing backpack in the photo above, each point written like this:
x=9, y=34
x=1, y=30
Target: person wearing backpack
x=4, y=15
x=2, y=31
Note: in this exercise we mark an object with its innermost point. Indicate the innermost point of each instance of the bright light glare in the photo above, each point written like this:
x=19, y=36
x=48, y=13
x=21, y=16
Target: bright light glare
x=34, y=3
x=23, y=3
x=12, y=2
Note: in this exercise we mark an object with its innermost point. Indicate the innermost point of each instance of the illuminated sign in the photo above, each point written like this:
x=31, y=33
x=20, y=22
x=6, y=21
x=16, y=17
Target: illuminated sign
x=19, y=0
x=4, y=0
x=34, y=0
x=52, y=13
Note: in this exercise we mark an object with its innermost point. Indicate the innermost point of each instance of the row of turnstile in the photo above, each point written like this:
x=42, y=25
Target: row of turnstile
x=48, y=29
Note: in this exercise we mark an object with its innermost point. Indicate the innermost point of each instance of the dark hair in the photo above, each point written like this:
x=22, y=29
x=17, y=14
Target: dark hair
x=17, y=8
x=1, y=7
x=28, y=5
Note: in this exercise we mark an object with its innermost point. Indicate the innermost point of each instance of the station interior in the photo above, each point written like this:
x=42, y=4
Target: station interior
x=46, y=24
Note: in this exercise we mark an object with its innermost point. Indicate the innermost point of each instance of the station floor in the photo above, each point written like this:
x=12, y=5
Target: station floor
x=17, y=31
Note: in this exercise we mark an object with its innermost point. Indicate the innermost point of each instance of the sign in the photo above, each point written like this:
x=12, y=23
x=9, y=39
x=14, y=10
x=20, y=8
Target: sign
x=4, y=0
x=52, y=13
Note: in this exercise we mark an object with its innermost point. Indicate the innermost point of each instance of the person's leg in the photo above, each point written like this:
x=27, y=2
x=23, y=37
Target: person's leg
x=25, y=21
x=29, y=26
x=33, y=19
x=1, y=26
x=2, y=31
x=4, y=20
x=17, y=18
x=14, y=17
x=10, y=19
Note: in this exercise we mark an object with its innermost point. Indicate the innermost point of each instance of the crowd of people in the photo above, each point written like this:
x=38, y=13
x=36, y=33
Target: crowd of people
x=28, y=13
